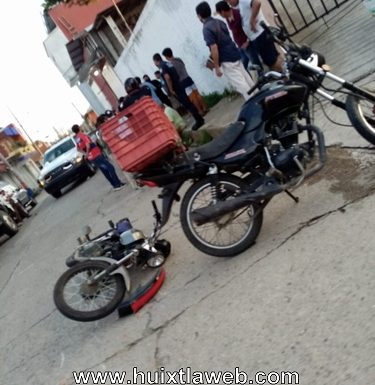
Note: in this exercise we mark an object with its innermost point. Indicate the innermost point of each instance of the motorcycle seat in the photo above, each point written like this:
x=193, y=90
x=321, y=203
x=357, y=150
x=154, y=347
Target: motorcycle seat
x=219, y=145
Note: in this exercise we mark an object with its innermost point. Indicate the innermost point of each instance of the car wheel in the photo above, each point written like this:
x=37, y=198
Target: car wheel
x=9, y=226
x=91, y=169
x=56, y=194
x=33, y=203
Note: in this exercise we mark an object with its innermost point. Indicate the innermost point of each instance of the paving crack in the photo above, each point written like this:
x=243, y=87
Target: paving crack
x=10, y=277
x=304, y=225
x=149, y=332
x=99, y=209
x=193, y=279
x=28, y=329
x=22, y=363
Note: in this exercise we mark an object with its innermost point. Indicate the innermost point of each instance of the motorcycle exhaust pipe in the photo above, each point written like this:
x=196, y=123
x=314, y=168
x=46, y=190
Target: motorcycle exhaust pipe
x=211, y=213
x=322, y=151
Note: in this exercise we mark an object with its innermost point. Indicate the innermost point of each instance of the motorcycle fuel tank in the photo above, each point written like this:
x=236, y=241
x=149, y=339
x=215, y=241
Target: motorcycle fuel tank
x=285, y=100
x=274, y=101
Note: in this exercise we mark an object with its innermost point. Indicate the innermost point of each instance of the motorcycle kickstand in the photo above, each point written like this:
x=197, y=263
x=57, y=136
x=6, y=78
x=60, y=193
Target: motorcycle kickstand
x=296, y=199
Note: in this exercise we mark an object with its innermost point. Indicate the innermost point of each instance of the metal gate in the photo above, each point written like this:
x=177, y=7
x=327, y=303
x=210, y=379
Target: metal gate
x=299, y=14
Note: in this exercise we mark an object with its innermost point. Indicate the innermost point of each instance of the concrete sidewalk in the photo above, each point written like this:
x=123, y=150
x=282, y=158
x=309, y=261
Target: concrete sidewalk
x=346, y=38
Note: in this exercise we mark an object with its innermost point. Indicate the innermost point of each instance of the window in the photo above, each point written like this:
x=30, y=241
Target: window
x=54, y=153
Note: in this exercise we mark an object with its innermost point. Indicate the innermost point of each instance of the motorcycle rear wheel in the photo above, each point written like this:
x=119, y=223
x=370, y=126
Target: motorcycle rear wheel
x=361, y=113
x=229, y=235
x=88, y=302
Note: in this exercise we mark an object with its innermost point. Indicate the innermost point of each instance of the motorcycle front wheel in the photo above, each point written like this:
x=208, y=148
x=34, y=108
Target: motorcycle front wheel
x=78, y=300
x=228, y=235
x=361, y=113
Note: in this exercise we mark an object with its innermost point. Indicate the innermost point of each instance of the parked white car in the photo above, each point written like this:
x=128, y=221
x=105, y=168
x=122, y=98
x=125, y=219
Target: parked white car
x=63, y=164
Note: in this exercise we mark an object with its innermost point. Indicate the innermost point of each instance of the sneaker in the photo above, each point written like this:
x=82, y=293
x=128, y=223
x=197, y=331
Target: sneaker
x=198, y=124
x=122, y=185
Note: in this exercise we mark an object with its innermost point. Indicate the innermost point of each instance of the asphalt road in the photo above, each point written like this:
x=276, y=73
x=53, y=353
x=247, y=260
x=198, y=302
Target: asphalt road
x=300, y=300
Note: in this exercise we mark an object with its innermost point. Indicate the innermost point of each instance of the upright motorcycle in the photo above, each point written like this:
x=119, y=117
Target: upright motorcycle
x=262, y=154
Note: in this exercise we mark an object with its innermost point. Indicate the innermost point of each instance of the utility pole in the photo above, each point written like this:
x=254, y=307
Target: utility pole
x=75, y=107
x=25, y=132
x=57, y=132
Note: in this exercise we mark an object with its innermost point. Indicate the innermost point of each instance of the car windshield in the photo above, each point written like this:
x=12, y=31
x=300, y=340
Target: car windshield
x=51, y=155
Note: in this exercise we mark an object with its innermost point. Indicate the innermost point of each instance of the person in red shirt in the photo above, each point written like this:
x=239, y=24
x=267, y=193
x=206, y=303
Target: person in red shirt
x=94, y=154
x=232, y=16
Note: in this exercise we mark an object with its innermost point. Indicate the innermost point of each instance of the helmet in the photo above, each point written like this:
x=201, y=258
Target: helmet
x=130, y=85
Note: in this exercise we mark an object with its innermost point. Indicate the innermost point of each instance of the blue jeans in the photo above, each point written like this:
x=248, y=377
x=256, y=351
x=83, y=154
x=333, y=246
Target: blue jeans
x=102, y=163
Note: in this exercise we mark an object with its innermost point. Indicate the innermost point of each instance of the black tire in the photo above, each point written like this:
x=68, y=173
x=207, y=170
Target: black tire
x=56, y=194
x=23, y=211
x=91, y=170
x=33, y=203
x=229, y=250
x=357, y=116
x=89, y=315
x=9, y=226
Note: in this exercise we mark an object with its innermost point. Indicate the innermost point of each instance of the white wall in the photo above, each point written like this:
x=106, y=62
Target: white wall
x=174, y=24
x=113, y=81
x=55, y=46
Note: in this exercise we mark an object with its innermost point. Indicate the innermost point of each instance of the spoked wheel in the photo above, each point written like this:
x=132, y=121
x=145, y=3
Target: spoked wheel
x=79, y=300
x=361, y=112
x=229, y=235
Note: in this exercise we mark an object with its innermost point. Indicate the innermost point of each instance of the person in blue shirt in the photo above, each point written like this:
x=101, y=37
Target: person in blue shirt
x=224, y=52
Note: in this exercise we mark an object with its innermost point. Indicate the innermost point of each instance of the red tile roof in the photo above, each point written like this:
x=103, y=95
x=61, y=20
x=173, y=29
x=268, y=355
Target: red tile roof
x=72, y=20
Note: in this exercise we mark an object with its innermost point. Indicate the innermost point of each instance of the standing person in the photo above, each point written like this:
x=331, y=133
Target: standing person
x=19, y=212
x=95, y=155
x=225, y=55
x=186, y=81
x=158, y=90
x=175, y=88
x=234, y=21
x=159, y=79
x=252, y=16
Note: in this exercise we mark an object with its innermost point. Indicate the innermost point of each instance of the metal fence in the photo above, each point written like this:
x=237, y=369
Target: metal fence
x=299, y=14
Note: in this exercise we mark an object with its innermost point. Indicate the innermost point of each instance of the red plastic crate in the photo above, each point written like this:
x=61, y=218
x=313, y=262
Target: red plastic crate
x=140, y=135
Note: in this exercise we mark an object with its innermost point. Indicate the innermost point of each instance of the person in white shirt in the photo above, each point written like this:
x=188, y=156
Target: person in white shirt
x=252, y=16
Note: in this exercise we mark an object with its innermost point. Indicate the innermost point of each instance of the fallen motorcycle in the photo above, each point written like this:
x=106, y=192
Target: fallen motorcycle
x=261, y=155
x=99, y=271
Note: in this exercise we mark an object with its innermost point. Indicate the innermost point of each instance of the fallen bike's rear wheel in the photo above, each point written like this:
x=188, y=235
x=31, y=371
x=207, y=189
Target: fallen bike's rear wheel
x=81, y=301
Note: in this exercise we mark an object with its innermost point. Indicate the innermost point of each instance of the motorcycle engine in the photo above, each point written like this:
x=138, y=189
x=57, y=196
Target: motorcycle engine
x=91, y=250
x=284, y=160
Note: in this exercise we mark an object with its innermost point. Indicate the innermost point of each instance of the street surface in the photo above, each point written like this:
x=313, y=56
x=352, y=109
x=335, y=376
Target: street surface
x=300, y=300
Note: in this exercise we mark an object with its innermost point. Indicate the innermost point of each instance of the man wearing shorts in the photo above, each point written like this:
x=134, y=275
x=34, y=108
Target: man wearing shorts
x=252, y=16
